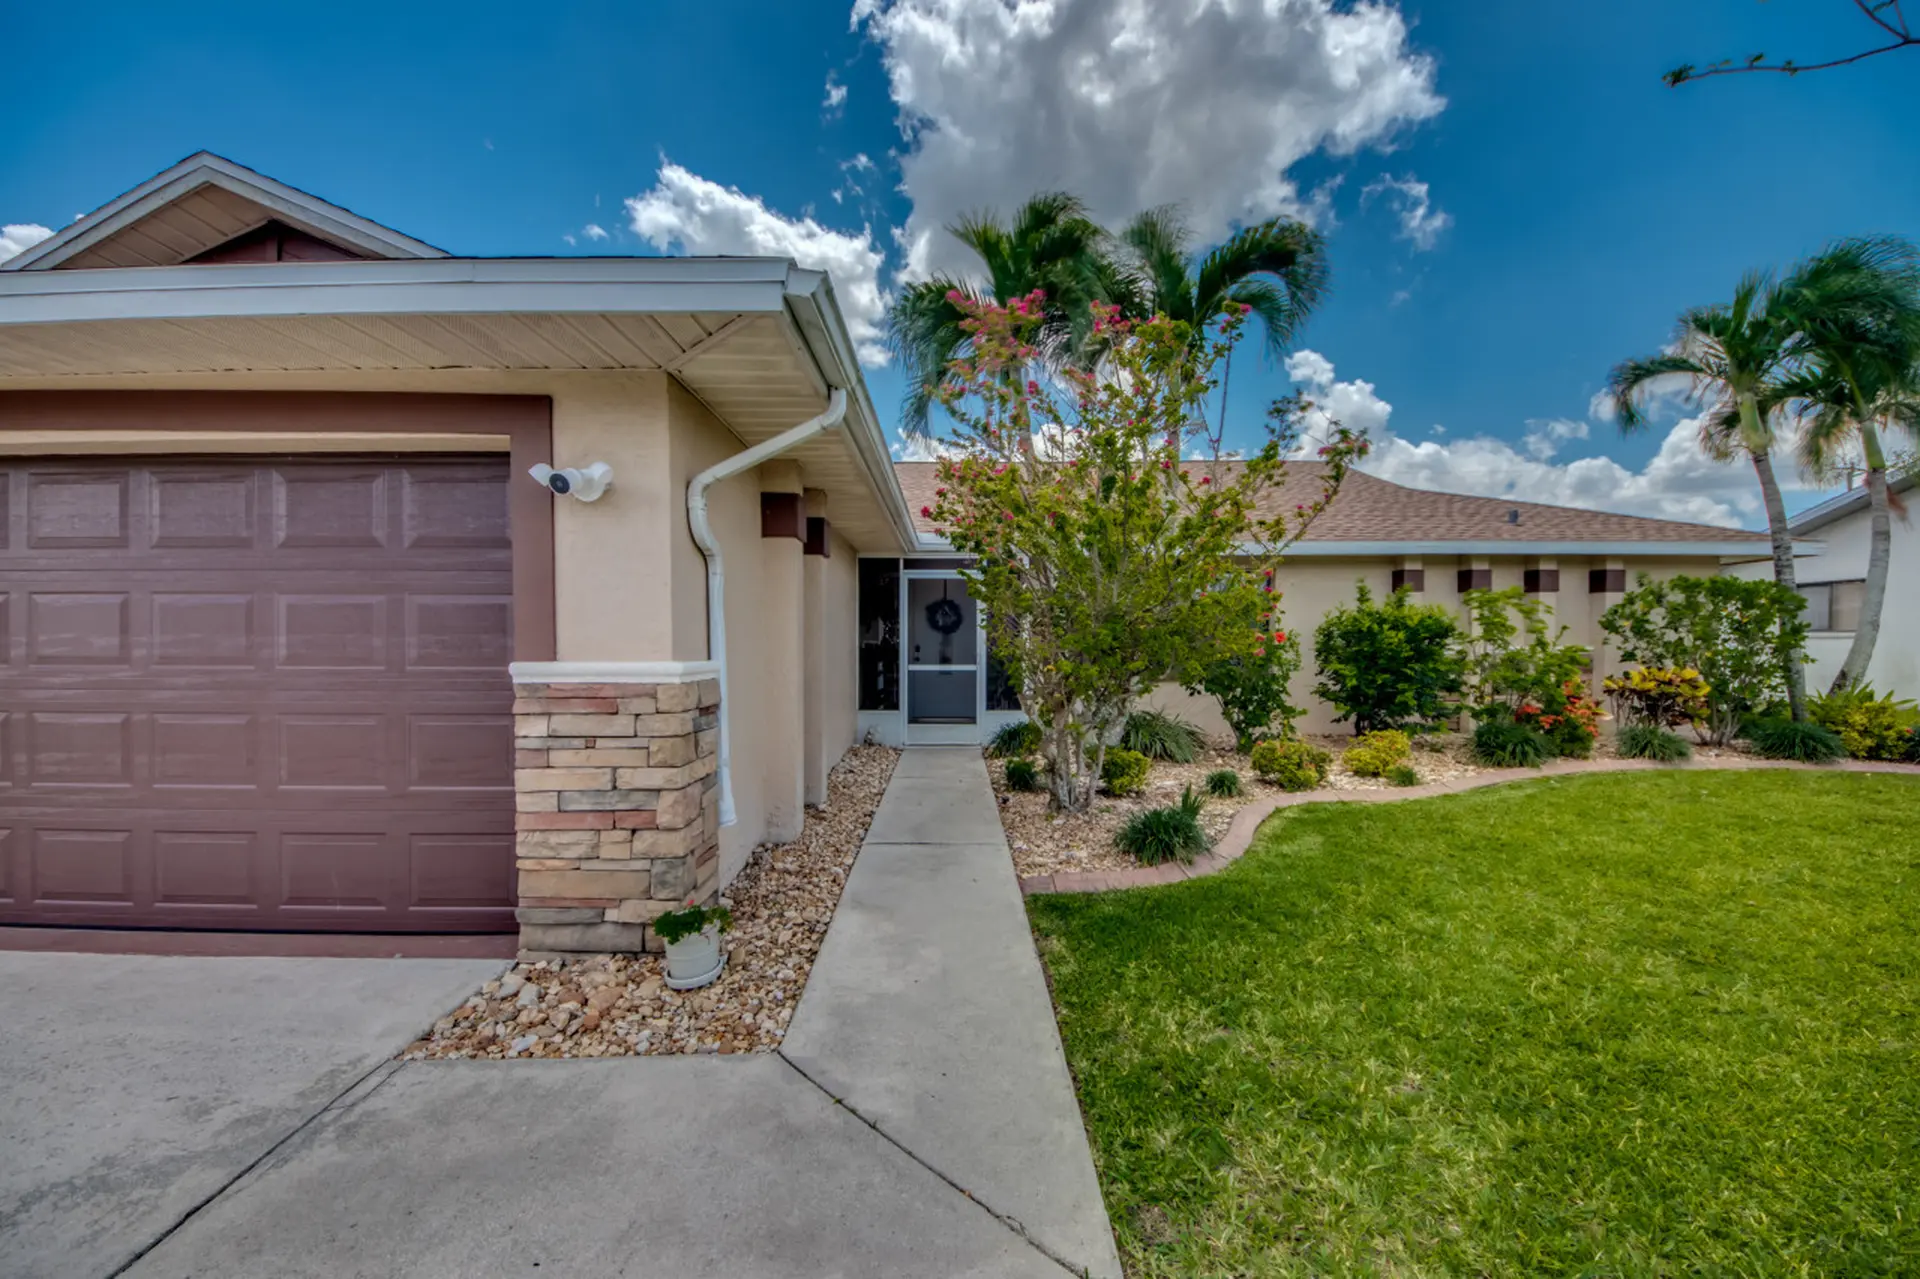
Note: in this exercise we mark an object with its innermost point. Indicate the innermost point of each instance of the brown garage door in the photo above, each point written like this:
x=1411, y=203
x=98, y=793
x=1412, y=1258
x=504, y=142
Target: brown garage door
x=256, y=694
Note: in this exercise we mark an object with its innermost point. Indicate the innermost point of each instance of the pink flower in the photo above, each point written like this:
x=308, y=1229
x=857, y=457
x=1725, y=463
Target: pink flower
x=1206, y=479
x=926, y=512
x=1260, y=652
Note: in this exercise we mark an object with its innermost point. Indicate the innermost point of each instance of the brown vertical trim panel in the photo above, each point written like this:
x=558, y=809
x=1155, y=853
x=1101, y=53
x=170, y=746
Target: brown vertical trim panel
x=1541, y=581
x=1414, y=579
x=1606, y=581
x=527, y=421
x=818, y=542
x=781, y=515
x=1475, y=579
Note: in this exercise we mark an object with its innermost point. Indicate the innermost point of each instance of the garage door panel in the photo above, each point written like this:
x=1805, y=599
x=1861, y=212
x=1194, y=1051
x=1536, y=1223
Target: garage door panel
x=277, y=700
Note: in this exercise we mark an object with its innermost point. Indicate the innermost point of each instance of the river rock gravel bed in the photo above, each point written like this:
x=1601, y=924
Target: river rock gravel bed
x=618, y=1005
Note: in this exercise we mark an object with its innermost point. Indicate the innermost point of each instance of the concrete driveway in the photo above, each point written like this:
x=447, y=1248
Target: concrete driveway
x=134, y=1088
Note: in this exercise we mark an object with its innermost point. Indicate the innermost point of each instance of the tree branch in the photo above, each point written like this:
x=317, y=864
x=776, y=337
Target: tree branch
x=1875, y=11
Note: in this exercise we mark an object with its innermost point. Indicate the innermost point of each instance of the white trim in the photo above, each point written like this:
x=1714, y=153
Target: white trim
x=308, y=212
x=612, y=672
x=1322, y=550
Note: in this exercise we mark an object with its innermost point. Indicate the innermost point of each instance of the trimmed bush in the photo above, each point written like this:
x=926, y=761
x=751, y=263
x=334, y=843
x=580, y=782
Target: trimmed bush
x=1014, y=740
x=1403, y=775
x=1912, y=752
x=1783, y=739
x=1224, y=783
x=1500, y=743
x=1164, y=834
x=1377, y=752
x=1649, y=741
x=1389, y=664
x=1294, y=766
x=1125, y=772
x=1868, y=725
x=1158, y=735
x=1023, y=775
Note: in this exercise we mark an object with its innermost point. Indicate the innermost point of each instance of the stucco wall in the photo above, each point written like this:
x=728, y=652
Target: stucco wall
x=839, y=673
x=1312, y=586
x=1895, y=667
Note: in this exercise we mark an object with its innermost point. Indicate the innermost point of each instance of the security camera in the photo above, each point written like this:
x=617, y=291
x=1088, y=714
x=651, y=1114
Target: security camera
x=584, y=482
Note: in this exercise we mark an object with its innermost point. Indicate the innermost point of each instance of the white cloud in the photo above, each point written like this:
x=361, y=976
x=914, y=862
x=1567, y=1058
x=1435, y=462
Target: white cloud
x=924, y=448
x=18, y=237
x=836, y=95
x=594, y=231
x=1134, y=103
x=1679, y=482
x=1600, y=407
x=1420, y=222
x=687, y=212
x=1352, y=404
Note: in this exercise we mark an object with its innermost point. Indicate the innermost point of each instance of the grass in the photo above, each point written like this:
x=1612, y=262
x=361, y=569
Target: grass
x=1643, y=1025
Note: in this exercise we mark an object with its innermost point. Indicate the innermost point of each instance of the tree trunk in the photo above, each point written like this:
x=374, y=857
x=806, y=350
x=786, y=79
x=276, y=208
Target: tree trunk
x=1782, y=570
x=1853, y=670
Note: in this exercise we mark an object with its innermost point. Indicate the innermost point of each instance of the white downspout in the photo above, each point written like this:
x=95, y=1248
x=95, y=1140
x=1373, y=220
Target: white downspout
x=716, y=584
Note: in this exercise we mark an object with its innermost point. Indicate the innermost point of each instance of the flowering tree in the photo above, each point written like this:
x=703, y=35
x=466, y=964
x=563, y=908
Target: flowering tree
x=1107, y=559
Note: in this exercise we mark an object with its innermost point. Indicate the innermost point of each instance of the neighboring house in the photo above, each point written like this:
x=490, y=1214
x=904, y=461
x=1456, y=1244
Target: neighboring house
x=269, y=550
x=1830, y=569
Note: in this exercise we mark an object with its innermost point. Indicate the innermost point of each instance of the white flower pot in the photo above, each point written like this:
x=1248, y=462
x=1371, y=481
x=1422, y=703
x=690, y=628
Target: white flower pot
x=695, y=961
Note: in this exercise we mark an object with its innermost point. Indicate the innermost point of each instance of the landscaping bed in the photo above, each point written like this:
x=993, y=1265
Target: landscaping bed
x=618, y=1005
x=1633, y=1024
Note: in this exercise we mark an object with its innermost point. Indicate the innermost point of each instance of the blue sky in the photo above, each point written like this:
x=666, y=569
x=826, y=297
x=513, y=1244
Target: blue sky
x=1572, y=203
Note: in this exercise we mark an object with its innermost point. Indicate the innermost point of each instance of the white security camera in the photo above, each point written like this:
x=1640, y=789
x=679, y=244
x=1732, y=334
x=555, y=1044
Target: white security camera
x=584, y=482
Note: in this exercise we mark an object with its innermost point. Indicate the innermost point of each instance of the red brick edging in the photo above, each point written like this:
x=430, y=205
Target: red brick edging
x=1246, y=821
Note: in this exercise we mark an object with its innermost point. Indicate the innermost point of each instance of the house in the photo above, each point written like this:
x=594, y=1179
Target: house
x=304, y=635
x=1831, y=542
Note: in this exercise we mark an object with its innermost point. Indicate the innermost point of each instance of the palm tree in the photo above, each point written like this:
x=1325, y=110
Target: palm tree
x=1277, y=267
x=1736, y=357
x=1857, y=305
x=1050, y=245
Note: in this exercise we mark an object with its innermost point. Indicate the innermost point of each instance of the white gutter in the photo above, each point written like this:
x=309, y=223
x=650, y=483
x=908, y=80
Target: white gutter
x=716, y=573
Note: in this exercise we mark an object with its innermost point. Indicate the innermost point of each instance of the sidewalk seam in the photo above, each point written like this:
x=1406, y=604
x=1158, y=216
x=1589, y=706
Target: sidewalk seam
x=1011, y=1223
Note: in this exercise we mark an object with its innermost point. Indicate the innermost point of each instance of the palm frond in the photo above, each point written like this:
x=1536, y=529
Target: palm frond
x=1629, y=383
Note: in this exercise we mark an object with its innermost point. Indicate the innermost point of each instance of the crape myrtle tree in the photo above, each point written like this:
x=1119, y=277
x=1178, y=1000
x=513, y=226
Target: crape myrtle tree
x=1106, y=558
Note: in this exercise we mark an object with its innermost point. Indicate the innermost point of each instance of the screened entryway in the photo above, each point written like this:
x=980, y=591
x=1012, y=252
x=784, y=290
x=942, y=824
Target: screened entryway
x=927, y=676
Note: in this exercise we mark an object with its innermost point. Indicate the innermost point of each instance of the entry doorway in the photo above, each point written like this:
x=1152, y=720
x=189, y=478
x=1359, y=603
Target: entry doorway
x=942, y=647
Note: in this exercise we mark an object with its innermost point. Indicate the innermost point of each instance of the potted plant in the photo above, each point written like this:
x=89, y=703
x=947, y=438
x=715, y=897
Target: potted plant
x=692, y=935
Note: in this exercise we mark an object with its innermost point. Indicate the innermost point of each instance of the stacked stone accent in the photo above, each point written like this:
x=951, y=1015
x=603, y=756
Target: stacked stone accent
x=618, y=812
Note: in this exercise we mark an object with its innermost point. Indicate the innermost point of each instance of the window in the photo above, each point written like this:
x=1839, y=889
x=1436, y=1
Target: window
x=879, y=635
x=1834, y=606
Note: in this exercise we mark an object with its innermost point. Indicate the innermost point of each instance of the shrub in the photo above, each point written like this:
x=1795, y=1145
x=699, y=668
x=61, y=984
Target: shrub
x=1868, y=725
x=1403, y=775
x=1570, y=723
x=1224, y=783
x=1658, y=696
x=1158, y=735
x=1164, y=834
x=1023, y=775
x=1294, y=765
x=1512, y=660
x=1502, y=743
x=1912, y=751
x=1125, y=772
x=1741, y=636
x=1785, y=739
x=1015, y=741
x=1377, y=752
x=1650, y=741
x=1252, y=688
x=1389, y=665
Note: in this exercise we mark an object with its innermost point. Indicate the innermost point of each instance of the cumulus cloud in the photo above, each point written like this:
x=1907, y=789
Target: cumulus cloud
x=1420, y=222
x=1352, y=404
x=924, y=448
x=1679, y=482
x=688, y=213
x=836, y=94
x=18, y=237
x=594, y=231
x=1135, y=103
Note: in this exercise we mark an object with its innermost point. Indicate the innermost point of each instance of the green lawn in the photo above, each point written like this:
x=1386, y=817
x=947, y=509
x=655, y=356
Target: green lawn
x=1652, y=1024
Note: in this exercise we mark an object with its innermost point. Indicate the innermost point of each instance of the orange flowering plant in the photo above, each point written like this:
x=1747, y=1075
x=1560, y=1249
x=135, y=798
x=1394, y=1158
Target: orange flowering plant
x=1114, y=544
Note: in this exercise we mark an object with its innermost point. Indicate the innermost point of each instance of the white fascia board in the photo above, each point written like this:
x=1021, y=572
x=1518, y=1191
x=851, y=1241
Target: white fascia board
x=428, y=286
x=822, y=327
x=1351, y=550
x=611, y=672
x=207, y=169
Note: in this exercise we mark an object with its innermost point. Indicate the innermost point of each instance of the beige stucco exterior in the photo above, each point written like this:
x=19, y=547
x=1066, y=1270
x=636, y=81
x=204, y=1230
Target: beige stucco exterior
x=1311, y=586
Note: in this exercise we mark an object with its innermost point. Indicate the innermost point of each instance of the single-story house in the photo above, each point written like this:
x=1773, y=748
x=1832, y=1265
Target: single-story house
x=1831, y=541
x=302, y=634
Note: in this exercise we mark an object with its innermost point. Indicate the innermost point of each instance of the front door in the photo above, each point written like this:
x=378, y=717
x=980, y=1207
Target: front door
x=942, y=641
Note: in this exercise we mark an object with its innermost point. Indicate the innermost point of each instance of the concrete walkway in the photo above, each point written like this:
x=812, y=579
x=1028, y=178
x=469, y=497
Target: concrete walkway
x=919, y=1122
x=927, y=1014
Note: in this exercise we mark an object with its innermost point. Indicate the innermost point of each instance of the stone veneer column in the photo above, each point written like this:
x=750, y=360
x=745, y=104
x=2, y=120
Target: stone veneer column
x=616, y=822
